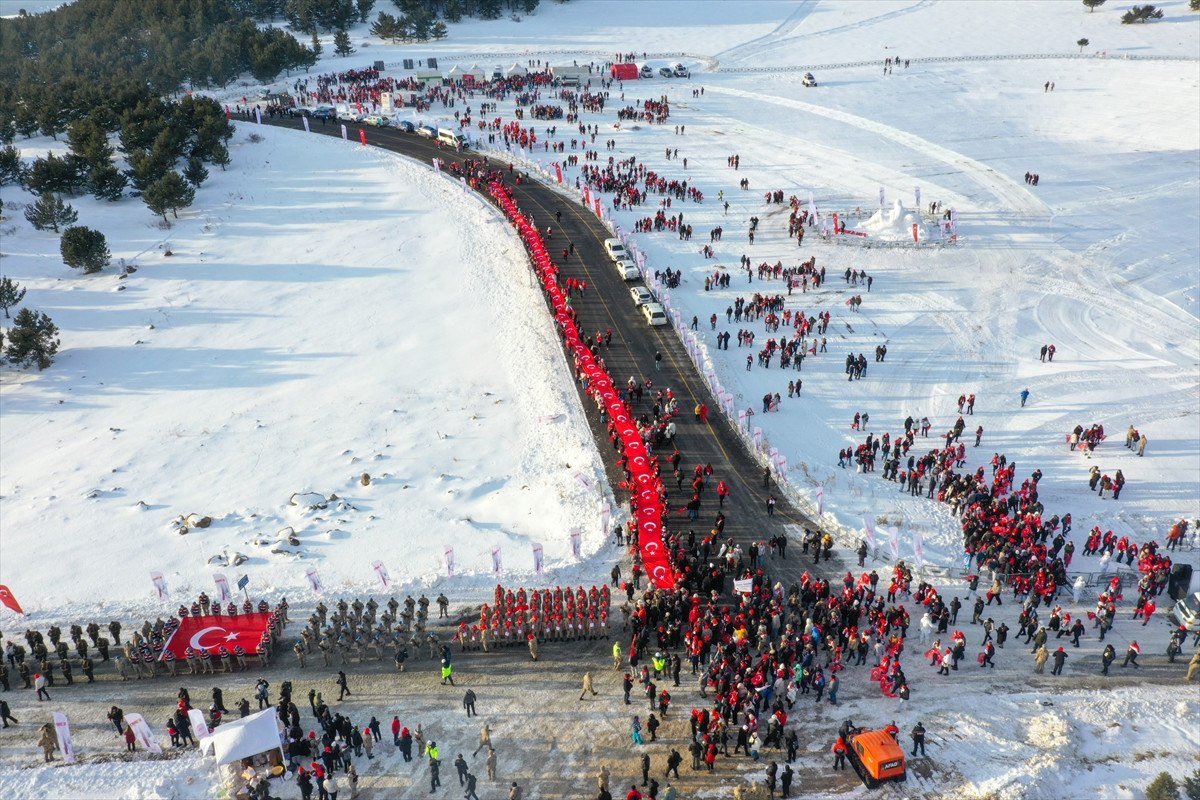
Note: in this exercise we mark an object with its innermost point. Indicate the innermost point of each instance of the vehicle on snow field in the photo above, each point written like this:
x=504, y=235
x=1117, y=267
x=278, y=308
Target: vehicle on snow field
x=876, y=757
x=406, y=126
x=809, y=80
x=427, y=131
x=666, y=72
x=681, y=71
x=452, y=138
x=1186, y=613
x=646, y=71
x=348, y=115
x=654, y=313
x=376, y=120
x=641, y=296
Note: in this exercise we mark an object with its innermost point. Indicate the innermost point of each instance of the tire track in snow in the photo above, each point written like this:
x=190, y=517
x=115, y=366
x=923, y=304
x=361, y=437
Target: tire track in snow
x=850, y=26
x=781, y=33
x=1013, y=197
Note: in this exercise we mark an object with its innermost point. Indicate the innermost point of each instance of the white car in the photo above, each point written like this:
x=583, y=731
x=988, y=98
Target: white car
x=627, y=269
x=376, y=120
x=615, y=249
x=681, y=71
x=348, y=115
x=1186, y=613
x=654, y=313
x=809, y=80
x=426, y=131
x=641, y=295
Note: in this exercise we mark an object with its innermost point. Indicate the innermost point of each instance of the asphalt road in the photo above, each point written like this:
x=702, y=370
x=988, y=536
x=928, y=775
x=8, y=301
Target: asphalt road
x=608, y=304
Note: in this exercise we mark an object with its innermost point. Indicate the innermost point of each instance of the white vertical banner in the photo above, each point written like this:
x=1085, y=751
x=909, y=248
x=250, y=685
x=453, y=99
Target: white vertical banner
x=307, y=128
x=160, y=584
x=462, y=181
x=742, y=420
x=223, y=593
x=918, y=548
x=436, y=166
x=450, y=562
x=385, y=103
x=258, y=115
x=196, y=717
x=382, y=572
x=758, y=438
x=819, y=492
x=576, y=542
x=894, y=540
x=881, y=197
x=584, y=481
x=142, y=733
x=605, y=518
x=496, y=565
x=314, y=580
x=345, y=134
x=62, y=728
x=917, y=194
x=869, y=530
x=539, y=566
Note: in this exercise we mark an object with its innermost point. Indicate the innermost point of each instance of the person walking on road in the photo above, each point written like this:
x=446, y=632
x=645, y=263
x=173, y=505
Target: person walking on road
x=587, y=686
x=658, y=359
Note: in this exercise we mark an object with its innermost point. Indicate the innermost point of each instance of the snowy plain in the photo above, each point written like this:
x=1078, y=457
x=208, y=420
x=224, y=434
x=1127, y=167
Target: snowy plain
x=329, y=311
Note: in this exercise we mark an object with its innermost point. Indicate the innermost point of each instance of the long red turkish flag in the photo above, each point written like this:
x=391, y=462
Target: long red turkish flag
x=7, y=598
x=212, y=632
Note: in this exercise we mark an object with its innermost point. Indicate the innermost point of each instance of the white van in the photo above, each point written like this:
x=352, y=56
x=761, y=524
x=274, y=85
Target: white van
x=449, y=137
x=615, y=249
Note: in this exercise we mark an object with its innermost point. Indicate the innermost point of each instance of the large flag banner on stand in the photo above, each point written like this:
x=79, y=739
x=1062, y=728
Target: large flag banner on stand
x=576, y=542
x=496, y=565
x=450, y=562
x=6, y=597
x=142, y=731
x=212, y=632
x=160, y=584
x=820, y=494
x=223, y=595
x=314, y=580
x=382, y=572
x=62, y=728
x=869, y=529
x=538, y=563
x=196, y=717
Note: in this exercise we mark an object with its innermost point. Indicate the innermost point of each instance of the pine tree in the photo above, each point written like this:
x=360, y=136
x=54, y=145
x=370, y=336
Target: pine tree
x=33, y=339
x=1141, y=14
x=219, y=155
x=54, y=174
x=488, y=9
x=85, y=249
x=195, y=172
x=364, y=9
x=438, y=30
x=107, y=182
x=49, y=211
x=169, y=193
x=11, y=168
x=529, y=6
x=454, y=11
x=11, y=293
x=341, y=43
x=1082, y=44
x=1194, y=5
x=385, y=27
x=1191, y=783
x=1092, y=5
x=1163, y=787
x=316, y=45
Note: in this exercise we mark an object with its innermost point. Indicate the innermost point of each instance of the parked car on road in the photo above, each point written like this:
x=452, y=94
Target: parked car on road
x=615, y=249
x=654, y=313
x=641, y=295
x=376, y=120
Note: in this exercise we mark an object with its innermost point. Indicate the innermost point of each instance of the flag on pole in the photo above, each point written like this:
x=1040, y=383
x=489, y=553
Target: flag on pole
x=538, y=565
x=160, y=584
x=345, y=133
x=496, y=566
x=869, y=530
x=820, y=494
x=918, y=548
x=362, y=136
x=382, y=572
x=6, y=597
x=223, y=593
x=894, y=540
x=307, y=127
x=576, y=542
x=258, y=115
x=314, y=580
x=62, y=729
x=142, y=732
x=450, y=561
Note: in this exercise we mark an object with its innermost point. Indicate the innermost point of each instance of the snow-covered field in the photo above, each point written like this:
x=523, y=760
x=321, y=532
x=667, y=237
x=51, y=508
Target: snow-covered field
x=330, y=310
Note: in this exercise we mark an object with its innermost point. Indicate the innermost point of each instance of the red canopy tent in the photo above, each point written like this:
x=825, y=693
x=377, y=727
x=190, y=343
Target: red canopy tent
x=625, y=72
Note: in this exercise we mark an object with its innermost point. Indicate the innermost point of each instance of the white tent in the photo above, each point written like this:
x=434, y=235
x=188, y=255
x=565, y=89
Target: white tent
x=456, y=72
x=516, y=69
x=244, y=738
x=477, y=72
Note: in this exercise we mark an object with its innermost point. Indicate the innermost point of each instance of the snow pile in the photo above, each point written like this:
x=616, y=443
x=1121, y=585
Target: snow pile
x=895, y=224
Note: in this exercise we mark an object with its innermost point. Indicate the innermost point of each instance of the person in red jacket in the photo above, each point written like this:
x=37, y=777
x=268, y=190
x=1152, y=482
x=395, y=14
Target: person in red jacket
x=839, y=753
x=396, y=731
x=722, y=492
x=634, y=794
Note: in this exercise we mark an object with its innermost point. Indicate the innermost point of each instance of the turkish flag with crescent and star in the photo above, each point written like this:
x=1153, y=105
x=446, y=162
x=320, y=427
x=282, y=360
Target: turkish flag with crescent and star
x=213, y=632
x=7, y=598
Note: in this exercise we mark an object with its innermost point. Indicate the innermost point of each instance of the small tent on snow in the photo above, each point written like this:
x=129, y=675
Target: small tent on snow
x=255, y=735
x=515, y=70
x=456, y=72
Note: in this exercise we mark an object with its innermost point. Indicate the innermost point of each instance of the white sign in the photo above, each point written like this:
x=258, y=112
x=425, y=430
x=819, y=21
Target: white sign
x=62, y=728
x=538, y=565
x=820, y=493
x=385, y=103
x=307, y=129
x=450, y=562
x=869, y=529
x=744, y=586
x=894, y=534
x=344, y=134
x=496, y=566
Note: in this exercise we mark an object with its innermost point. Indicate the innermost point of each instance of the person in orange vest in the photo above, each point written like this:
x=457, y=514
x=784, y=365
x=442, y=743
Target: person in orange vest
x=839, y=753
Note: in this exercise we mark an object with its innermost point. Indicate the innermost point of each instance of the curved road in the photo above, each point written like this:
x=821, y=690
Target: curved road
x=608, y=304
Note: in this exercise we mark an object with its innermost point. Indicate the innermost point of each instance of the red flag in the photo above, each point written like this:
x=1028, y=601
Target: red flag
x=362, y=135
x=7, y=598
x=212, y=632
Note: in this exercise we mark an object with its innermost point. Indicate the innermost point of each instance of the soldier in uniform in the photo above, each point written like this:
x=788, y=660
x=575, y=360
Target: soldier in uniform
x=298, y=649
x=65, y=665
x=226, y=664
x=169, y=658
x=206, y=660
x=102, y=646
x=239, y=653
x=443, y=605
x=88, y=669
